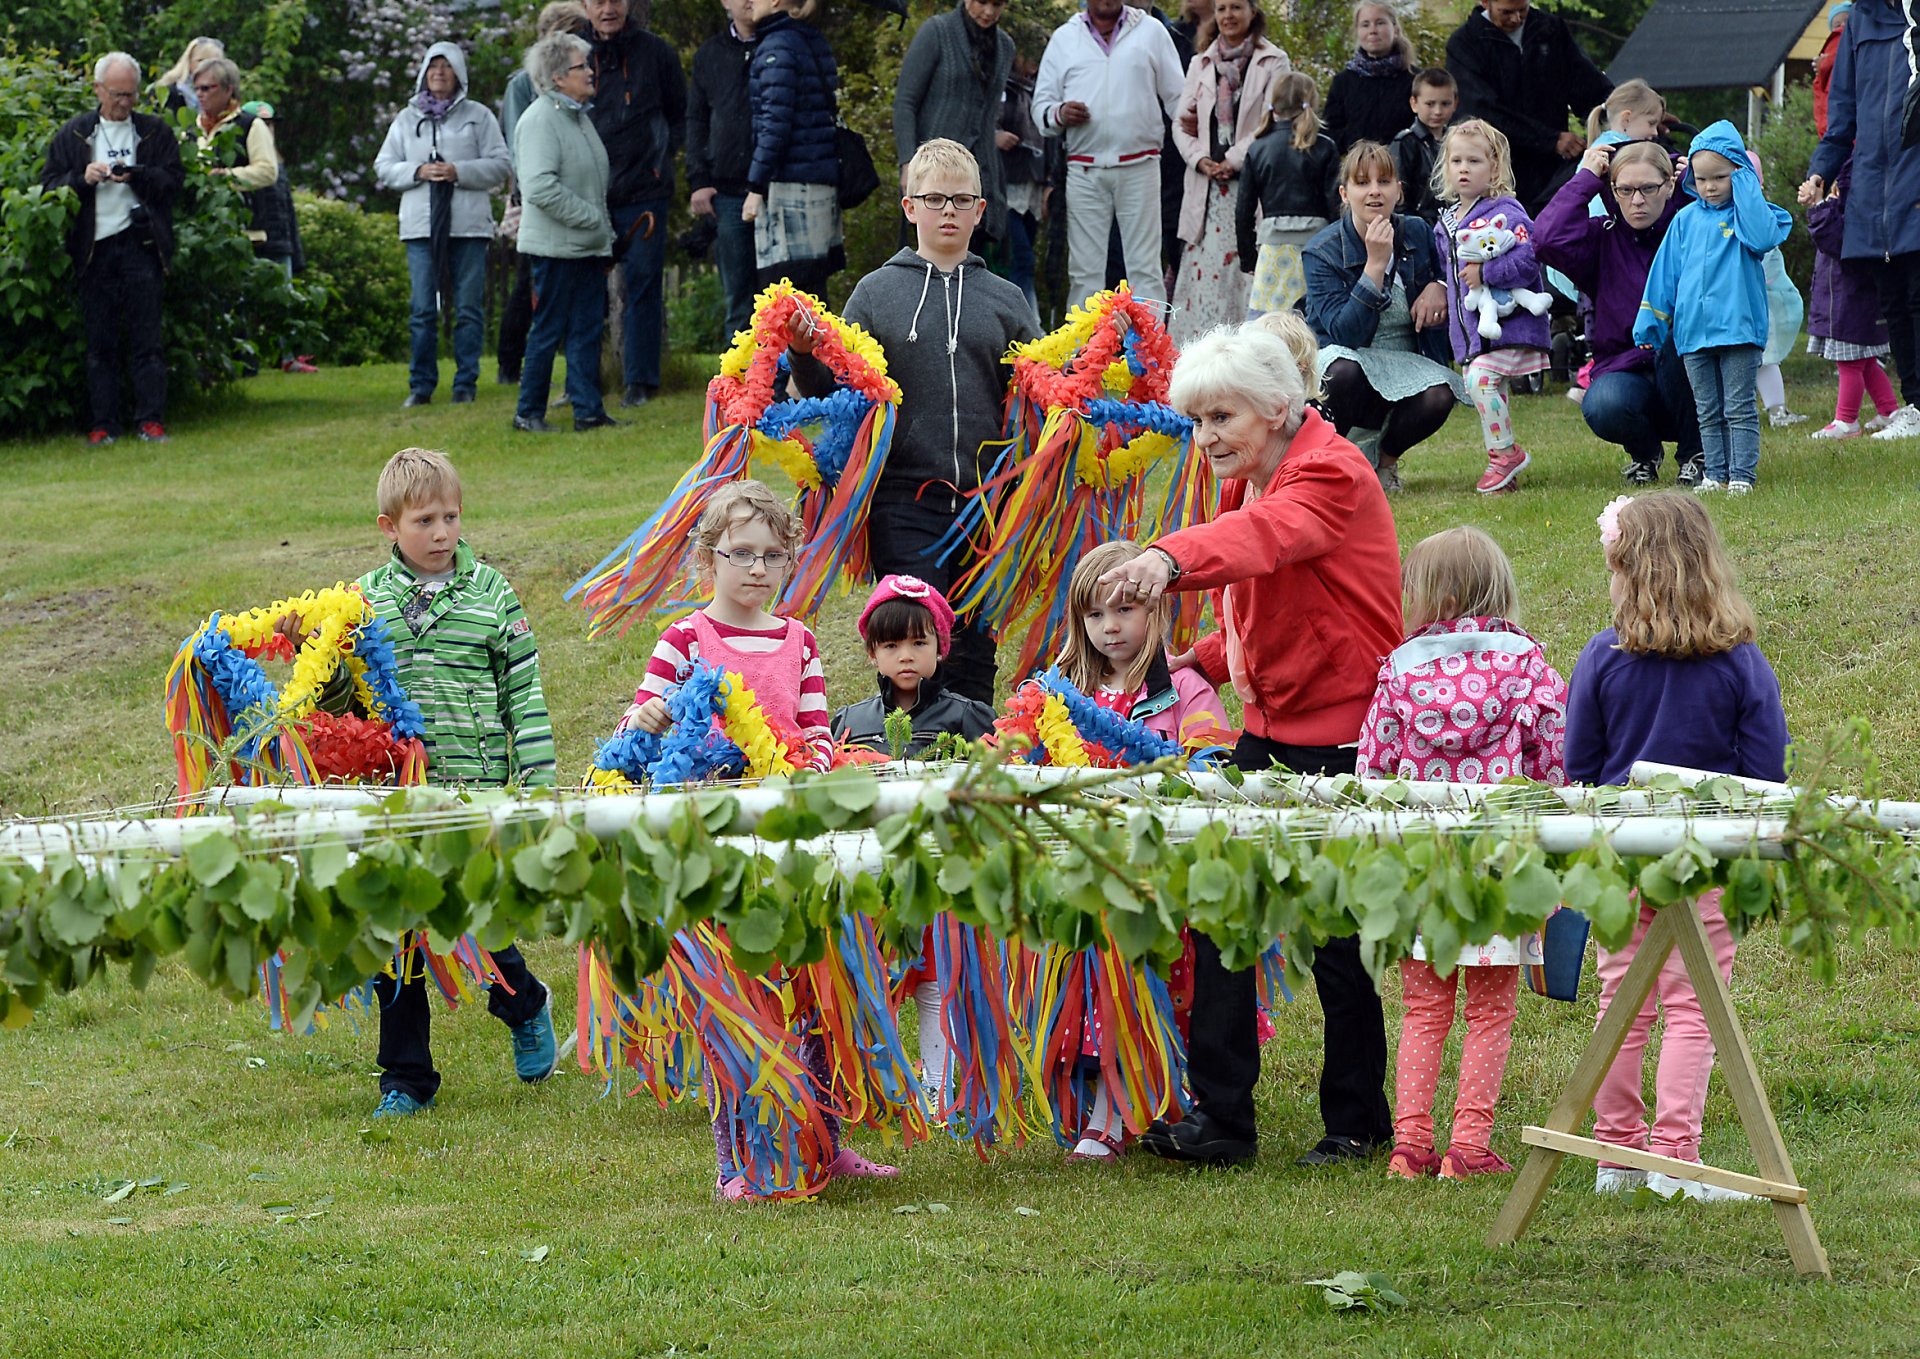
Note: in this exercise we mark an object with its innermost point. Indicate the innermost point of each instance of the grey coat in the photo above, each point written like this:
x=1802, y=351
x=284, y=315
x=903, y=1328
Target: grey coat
x=940, y=94
x=469, y=137
x=563, y=182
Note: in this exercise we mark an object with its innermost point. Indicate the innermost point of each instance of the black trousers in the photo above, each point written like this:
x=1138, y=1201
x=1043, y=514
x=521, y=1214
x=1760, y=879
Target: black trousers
x=1898, y=280
x=516, y=318
x=1223, y=1049
x=406, y=1022
x=120, y=295
x=1402, y=424
x=900, y=536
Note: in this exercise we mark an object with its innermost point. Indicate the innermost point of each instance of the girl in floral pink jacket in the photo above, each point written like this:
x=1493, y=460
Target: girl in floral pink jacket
x=1467, y=698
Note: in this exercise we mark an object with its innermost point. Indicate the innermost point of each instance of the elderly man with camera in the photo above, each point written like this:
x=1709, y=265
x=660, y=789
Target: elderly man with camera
x=125, y=169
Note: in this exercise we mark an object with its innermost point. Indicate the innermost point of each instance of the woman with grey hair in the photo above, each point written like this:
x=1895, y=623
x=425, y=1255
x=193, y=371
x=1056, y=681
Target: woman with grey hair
x=565, y=229
x=1304, y=568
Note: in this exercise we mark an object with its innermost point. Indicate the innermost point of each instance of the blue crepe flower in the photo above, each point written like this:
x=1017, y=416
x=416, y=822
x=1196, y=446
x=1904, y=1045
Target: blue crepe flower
x=1129, y=741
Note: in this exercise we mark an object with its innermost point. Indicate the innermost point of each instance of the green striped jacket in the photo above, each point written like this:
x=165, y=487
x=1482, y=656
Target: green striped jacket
x=473, y=668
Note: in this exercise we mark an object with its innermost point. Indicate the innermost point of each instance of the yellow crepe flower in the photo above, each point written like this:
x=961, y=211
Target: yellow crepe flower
x=1059, y=735
x=789, y=456
x=746, y=726
x=331, y=614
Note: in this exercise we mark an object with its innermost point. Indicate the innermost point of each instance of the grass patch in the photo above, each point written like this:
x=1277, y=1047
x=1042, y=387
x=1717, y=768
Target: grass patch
x=295, y=1234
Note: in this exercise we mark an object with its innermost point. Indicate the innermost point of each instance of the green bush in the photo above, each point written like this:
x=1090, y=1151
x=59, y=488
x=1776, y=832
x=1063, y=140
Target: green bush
x=357, y=257
x=219, y=298
x=697, y=312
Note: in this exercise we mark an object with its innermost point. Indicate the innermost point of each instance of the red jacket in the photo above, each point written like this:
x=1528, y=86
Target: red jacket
x=1313, y=566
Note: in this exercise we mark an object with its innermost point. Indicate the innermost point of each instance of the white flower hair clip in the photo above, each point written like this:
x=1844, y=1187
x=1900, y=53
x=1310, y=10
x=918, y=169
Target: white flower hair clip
x=1609, y=520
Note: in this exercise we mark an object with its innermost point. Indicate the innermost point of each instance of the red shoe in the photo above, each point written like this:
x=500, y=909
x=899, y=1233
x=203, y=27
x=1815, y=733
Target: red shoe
x=1503, y=466
x=153, y=432
x=1462, y=1165
x=1116, y=1148
x=1413, y=1163
x=300, y=363
x=851, y=1165
x=99, y=439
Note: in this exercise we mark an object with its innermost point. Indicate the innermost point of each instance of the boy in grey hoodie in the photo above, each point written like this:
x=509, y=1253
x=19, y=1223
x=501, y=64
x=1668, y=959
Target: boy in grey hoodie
x=946, y=325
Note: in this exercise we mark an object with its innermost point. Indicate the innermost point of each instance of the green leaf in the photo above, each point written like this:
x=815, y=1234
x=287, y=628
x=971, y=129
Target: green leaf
x=1532, y=892
x=121, y=1193
x=264, y=893
x=211, y=857
x=757, y=930
x=1210, y=881
x=852, y=790
x=326, y=861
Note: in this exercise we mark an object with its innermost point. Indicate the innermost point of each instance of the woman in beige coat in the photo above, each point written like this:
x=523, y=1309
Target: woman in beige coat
x=1220, y=113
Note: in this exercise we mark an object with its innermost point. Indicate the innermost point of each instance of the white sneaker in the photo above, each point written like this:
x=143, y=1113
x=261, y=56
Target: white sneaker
x=1617, y=1180
x=1739, y=487
x=1879, y=422
x=1902, y=424
x=1837, y=429
x=1780, y=417
x=1667, y=1187
x=1707, y=486
x=1576, y=394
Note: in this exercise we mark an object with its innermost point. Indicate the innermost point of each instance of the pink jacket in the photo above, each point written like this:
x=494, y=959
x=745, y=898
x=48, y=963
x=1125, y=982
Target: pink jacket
x=1196, y=707
x=1268, y=65
x=1469, y=700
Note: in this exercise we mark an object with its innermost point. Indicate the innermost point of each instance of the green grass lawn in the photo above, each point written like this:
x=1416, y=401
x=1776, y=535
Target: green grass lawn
x=294, y=1235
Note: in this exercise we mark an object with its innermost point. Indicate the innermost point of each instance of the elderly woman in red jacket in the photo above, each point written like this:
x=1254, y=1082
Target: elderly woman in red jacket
x=1304, y=569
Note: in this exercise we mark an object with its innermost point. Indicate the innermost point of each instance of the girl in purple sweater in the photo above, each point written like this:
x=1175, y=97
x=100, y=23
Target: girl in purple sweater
x=1677, y=679
x=1474, y=178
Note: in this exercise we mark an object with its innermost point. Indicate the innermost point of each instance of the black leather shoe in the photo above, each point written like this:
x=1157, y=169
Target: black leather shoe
x=1333, y=1150
x=600, y=421
x=463, y=398
x=636, y=395
x=1195, y=1139
x=532, y=424
x=417, y=399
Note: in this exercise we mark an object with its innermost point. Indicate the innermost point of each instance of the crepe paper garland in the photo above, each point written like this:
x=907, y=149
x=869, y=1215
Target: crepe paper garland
x=1065, y=727
x=216, y=686
x=461, y=975
x=718, y=728
x=644, y=1030
x=1087, y=424
x=870, y=1078
x=835, y=471
x=990, y=1078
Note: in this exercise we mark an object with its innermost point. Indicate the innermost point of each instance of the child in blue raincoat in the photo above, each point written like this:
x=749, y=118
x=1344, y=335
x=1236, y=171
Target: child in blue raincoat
x=1708, y=289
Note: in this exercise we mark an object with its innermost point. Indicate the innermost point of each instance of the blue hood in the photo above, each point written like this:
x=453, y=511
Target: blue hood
x=1723, y=139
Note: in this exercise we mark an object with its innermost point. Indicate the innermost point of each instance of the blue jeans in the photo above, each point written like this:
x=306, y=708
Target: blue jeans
x=1641, y=408
x=1722, y=380
x=570, y=308
x=467, y=260
x=643, y=226
x=733, y=256
x=1020, y=257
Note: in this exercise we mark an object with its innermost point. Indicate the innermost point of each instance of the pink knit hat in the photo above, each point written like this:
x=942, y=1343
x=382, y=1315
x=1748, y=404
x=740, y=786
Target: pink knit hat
x=917, y=590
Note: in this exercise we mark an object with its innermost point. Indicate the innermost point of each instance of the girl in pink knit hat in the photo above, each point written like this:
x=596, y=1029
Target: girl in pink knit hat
x=908, y=628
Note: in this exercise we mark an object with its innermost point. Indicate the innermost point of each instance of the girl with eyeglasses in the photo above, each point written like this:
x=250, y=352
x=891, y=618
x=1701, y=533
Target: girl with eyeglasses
x=1636, y=398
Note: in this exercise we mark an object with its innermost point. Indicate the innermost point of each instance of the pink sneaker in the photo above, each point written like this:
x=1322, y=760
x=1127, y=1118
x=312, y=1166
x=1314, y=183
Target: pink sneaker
x=850, y=1164
x=1462, y=1165
x=1413, y=1163
x=733, y=1191
x=1503, y=466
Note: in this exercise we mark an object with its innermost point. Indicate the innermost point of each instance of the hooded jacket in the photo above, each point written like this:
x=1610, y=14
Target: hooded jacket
x=156, y=180
x=951, y=396
x=563, y=182
x=794, y=85
x=1870, y=78
x=1707, y=287
x=943, y=92
x=1124, y=88
x=936, y=711
x=1607, y=260
x=640, y=111
x=1517, y=268
x=1198, y=98
x=468, y=137
x=1344, y=307
x=1525, y=89
x=1844, y=302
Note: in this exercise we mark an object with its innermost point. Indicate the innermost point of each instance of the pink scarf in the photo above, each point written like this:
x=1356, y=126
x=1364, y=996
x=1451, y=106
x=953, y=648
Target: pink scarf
x=1230, y=72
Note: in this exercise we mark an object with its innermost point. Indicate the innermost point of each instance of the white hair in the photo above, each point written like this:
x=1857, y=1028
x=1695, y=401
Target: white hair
x=1239, y=363
x=548, y=59
x=111, y=60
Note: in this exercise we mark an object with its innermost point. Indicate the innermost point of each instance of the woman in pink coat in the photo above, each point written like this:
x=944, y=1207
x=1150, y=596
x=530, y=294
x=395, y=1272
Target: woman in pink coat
x=1220, y=114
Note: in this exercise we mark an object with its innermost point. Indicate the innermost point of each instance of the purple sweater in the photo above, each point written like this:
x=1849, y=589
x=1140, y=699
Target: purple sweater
x=1607, y=260
x=1515, y=269
x=1844, y=304
x=1719, y=712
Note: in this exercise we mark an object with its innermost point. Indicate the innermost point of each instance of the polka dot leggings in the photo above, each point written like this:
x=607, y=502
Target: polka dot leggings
x=1492, y=1002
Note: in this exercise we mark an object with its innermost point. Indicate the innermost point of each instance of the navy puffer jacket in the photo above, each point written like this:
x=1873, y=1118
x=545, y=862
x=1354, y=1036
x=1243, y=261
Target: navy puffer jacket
x=1863, y=120
x=792, y=88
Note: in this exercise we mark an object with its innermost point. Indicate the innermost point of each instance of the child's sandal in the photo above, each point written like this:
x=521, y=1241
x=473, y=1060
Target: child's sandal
x=1116, y=1148
x=1413, y=1163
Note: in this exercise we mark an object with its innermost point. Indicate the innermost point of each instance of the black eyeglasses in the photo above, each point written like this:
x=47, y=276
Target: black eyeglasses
x=743, y=560
x=577, y=66
x=1639, y=192
x=937, y=202
x=208, y=89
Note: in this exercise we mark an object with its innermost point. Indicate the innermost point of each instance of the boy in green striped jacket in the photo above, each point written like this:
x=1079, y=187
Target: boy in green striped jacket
x=466, y=655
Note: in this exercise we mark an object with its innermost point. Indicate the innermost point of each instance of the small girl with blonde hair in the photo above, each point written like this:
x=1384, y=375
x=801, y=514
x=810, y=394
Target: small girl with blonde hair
x=1290, y=182
x=1634, y=112
x=1676, y=678
x=1474, y=179
x=1467, y=698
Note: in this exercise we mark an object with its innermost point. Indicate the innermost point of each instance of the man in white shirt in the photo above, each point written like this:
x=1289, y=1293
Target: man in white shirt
x=125, y=169
x=1107, y=74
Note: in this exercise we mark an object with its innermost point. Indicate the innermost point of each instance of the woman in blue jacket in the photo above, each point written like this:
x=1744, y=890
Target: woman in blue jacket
x=1378, y=306
x=793, y=197
x=1864, y=103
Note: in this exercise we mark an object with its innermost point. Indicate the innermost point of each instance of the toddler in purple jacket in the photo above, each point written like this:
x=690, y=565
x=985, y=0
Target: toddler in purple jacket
x=1843, y=315
x=1475, y=181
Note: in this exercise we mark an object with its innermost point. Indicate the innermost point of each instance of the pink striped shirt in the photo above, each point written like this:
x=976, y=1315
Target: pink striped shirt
x=678, y=648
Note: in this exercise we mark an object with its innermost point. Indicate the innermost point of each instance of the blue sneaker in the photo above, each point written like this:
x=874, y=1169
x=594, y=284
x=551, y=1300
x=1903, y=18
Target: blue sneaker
x=399, y=1104
x=534, y=1056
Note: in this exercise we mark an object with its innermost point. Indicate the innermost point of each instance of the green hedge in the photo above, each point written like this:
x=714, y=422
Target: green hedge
x=356, y=257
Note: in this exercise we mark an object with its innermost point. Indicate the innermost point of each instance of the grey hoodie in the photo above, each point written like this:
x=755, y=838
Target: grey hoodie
x=945, y=336
x=469, y=136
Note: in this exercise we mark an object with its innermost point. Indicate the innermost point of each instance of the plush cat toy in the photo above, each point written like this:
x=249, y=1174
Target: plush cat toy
x=1483, y=239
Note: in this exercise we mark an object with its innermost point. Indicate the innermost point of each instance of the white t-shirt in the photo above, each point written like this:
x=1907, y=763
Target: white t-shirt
x=113, y=202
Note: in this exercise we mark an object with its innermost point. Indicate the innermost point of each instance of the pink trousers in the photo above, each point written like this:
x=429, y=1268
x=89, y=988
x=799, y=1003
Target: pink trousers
x=1686, y=1048
x=1492, y=1001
